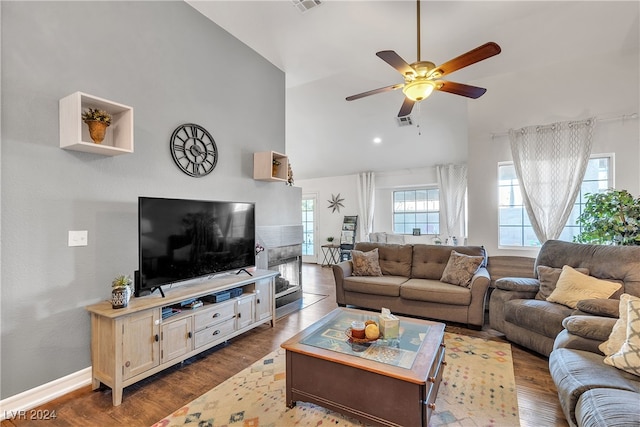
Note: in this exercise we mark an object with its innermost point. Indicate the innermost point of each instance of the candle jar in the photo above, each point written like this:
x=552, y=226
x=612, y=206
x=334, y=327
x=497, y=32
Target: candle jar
x=357, y=329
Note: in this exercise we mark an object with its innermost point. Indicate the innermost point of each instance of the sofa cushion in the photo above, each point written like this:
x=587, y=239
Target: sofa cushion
x=590, y=327
x=627, y=357
x=377, y=237
x=542, y=317
x=397, y=239
x=575, y=371
x=460, y=269
x=574, y=286
x=548, y=277
x=608, y=408
x=376, y=285
x=522, y=284
x=429, y=261
x=608, y=262
x=600, y=307
x=365, y=263
x=435, y=291
x=395, y=260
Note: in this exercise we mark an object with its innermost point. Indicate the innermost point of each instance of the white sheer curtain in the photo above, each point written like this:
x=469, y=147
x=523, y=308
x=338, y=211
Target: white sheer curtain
x=550, y=162
x=452, y=181
x=366, y=200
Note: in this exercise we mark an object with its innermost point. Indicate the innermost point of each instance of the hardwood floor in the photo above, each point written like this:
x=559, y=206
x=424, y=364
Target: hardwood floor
x=157, y=396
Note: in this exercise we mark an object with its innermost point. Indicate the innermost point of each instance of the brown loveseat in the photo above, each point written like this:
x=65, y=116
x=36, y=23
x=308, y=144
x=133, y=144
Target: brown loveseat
x=410, y=283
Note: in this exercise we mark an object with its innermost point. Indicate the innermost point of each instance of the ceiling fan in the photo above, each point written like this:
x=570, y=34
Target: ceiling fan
x=421, y=78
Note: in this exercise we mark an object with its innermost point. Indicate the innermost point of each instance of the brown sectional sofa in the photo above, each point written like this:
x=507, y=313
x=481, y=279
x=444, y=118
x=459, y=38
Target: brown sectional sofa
x=534, y=323
x=411, y=285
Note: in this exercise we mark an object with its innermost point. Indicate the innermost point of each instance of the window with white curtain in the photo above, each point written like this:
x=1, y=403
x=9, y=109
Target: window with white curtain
x=418, y=208
x=514, y=227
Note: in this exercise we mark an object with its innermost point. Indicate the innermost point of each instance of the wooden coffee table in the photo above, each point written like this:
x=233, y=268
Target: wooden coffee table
x=387, y=382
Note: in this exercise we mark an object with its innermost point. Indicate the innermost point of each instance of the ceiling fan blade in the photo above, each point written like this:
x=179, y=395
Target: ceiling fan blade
x=478, y=54
x=406, y=108
x=460, y=89
x=393, y=59
x=375, y=91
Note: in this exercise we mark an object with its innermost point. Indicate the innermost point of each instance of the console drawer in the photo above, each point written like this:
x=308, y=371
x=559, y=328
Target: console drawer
x=214, y=332
x=216, y=314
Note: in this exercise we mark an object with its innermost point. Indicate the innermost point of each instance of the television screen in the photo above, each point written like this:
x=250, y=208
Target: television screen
x=182, y=239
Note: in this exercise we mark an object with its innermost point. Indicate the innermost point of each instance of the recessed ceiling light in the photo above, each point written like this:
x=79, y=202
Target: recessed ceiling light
x=377, y=140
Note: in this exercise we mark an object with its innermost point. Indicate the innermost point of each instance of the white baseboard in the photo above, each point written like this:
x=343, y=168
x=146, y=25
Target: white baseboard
x=14, y=406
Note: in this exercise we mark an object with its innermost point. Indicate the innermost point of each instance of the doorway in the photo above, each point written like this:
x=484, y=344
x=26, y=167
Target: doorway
x=309, y=228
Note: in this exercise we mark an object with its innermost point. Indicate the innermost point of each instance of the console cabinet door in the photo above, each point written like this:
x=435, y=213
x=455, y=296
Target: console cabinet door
x=264, y=299
x=140, y=342
x=176, y=338
x=244, y=311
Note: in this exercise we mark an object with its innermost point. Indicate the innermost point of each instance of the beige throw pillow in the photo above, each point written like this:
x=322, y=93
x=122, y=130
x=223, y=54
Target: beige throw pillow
x=628, y=357
x=548, y=277
x=574, y=286
x=365, y=263
x=619, y=331
x=461, y=268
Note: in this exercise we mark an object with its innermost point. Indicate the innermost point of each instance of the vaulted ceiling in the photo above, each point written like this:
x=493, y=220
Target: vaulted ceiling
x=328, y=53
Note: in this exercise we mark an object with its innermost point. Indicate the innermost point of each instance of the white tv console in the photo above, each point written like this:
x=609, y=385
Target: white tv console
x=132, y=343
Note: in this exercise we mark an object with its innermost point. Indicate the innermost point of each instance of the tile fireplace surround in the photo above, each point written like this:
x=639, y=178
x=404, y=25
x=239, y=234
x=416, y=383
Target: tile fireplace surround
x=283, y=253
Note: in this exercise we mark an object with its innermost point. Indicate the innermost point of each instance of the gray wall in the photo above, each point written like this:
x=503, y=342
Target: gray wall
x=172, y=66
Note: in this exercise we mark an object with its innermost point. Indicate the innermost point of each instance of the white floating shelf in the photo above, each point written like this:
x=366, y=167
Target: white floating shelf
x=74, y=133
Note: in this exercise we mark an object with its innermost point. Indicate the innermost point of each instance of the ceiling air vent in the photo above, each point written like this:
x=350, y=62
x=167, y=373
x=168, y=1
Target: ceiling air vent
x=405, y=121
x=304, y=5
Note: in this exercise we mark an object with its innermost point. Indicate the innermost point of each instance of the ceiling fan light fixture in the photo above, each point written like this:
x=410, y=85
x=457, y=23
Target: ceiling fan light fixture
x=418, y=89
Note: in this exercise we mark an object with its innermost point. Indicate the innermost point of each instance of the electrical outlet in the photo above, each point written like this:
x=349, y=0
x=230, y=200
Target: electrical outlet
x=78, y=238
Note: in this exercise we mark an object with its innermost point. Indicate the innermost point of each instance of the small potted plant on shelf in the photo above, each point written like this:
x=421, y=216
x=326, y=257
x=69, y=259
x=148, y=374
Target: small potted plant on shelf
x=98, y=121
x=121, y=292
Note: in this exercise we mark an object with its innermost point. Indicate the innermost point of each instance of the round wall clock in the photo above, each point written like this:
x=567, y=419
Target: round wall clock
x=194, y=150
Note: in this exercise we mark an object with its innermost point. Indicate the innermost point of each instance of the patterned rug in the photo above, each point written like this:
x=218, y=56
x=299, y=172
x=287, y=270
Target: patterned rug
x=477, y=389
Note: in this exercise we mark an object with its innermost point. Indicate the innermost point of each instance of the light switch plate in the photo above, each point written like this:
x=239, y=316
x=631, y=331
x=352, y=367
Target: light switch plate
x=78, y=238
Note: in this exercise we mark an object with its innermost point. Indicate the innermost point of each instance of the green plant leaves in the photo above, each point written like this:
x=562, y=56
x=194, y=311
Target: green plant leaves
x=610, y=218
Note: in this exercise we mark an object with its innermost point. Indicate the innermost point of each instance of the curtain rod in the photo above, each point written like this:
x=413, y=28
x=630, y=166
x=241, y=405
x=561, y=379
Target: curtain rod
x=607, y=119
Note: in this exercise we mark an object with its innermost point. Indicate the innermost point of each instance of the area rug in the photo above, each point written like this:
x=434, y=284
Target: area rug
x=477, y=389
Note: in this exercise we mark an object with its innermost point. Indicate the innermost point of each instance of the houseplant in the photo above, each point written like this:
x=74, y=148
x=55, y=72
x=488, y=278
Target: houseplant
x=610, y=218
x=121, y=292
x=98, y=121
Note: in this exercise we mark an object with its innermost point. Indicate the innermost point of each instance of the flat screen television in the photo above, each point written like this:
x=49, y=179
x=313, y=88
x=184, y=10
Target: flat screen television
x=180, y=240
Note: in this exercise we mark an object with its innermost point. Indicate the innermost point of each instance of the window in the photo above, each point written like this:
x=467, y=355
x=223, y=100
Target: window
x=416, y=209
x=308, y=226
x=514, y=226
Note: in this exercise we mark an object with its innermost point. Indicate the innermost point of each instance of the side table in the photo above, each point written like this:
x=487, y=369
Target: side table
x=331, y=253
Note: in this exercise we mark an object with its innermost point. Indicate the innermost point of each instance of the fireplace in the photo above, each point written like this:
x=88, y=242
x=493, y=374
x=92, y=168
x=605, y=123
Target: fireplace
x=287, y=260
x=283, y=253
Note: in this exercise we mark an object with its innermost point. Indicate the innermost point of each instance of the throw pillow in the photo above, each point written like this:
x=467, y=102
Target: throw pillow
x=619, y=331
x=548, y=277
x=461, y=268
x=574, y=286
x=628, y=357
x=365, y=263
